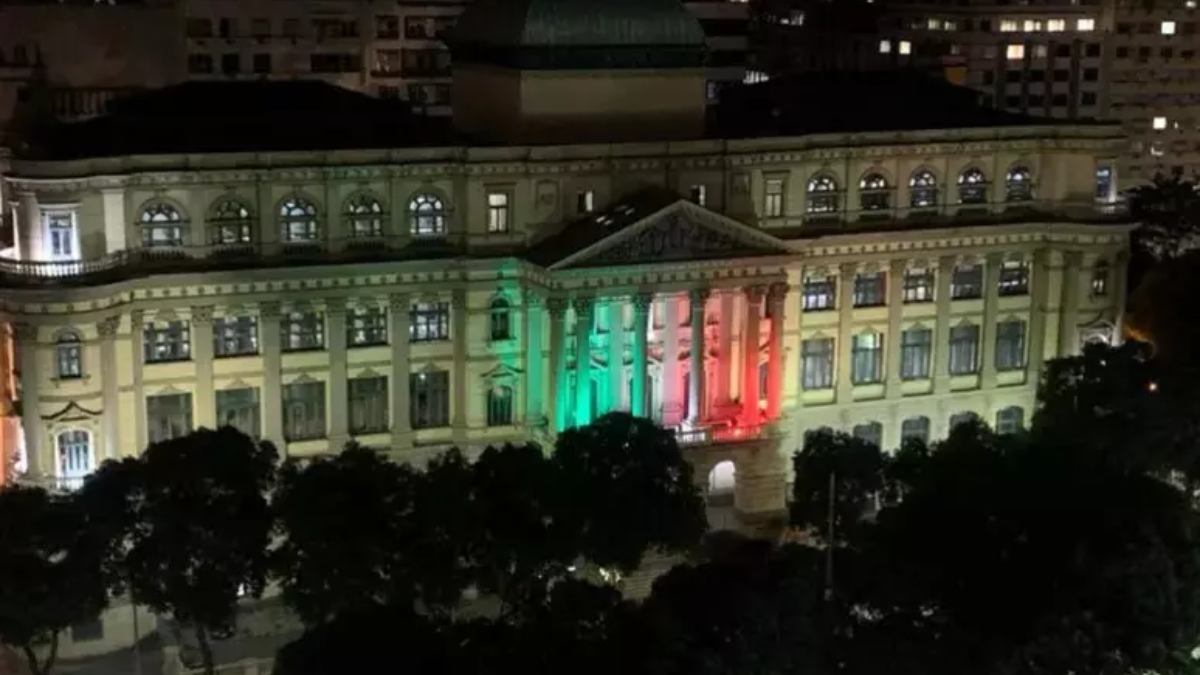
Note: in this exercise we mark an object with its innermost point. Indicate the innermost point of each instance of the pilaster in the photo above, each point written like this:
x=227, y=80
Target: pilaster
x=458, y=332
x=270, y=339
x=110, y=392
x=895, y=304
x=1036, y=335
x=560, y=399
x=776, y=302
x=641, y=320
x=268, y=229
x=845, y=347
x=1068, y=332
x=672, y=404
x=29, y=227
x=202, y=356
x=333, y=230
x=698, y=401
x=724, y=393
x=750, y=338
x=941, y=342
x=339, y=386
x=399, y=326
x=38, y=460
x=583, y=360
x=137, y=340
x=991, y=294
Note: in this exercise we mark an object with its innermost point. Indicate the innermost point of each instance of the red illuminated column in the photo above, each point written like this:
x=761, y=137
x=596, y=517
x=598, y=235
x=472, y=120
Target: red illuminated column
x=775, y=304
x=696, y=397
x=754, y=296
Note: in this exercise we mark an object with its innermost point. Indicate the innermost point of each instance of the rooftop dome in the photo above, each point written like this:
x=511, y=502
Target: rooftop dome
x=578, y=34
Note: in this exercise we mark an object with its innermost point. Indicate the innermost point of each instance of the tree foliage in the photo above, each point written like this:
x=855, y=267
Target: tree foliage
x=852, y=467
x=1168, y=211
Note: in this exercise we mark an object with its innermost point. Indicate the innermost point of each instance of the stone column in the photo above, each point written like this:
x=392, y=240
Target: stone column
x=399, y=326
x=1068, y=330
x=29, y=227
x=560, y=398
x=616, y=354
x=583, y=361
x=991, y=309
x=843, y=362
x=115, y=221
x=697, y=399
x=268, y=223
x=36, y=448
x=750, y=338
x=941, y=340
x=137, y=340
x=202, y=357
x=724, y=391
x=895, y=302
x=1036, y=334
x=334, y=231
x=641, y=321
x=535, y=411
x=339, y=386
x=107, y=329
x=459, y=333
x=776, y=302
x=271, y=341
x=672, y=406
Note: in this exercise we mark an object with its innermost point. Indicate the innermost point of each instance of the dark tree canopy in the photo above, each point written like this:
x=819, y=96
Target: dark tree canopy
x=1168, y=211
x=856, y=468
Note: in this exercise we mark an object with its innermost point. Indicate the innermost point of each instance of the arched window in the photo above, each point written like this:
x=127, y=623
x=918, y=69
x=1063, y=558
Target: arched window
x=162, y=226
x=500, y=406
x=922, y=189
x=364, y=214
x=871, y=432
x=1010, y=420
x=915, y=427
x=69, y=356
x=501, y=320
x=75, y=459
x=822, y=195
x=298, y=220
x=722, y=478
x=874, y=192
x=1100, y=279
x=972, y=187
x=426, y=216
x=959, y=419
x=230, y=220
x=1018, y=185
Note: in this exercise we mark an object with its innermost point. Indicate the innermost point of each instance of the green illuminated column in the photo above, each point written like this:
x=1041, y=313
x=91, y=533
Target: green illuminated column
x=615, y=383
x=696, y=397
x=559, y=401
x=641, y=326
x=583, y=360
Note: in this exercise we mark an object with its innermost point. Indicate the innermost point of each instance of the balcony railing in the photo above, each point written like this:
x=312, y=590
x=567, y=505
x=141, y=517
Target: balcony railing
x=722, y=434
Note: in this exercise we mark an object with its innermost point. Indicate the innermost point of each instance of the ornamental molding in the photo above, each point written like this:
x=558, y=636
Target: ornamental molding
x=70, y=412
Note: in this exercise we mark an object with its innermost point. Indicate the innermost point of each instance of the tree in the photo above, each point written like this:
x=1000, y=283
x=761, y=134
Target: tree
x=347, y=526
x=857, y=469
x=625, y=488
x=1168, y=210
x=199, y=527
x=368, y=640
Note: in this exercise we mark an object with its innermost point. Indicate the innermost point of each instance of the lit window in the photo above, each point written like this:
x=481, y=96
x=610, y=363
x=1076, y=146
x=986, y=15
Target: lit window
x=426, y=216
x=585, y=202
x=69, y=353
x=497, y=212
x=885, y=46
x=1008, y=26
x=1056, y=25
x=949, y=25
x=1160, y=123
x=934, y=24
x=1085, y=25
x=905, y=47
x=1015, y=52
x=1167, y=28
x=1156, y=150
x=1190, y=4
x=364, y=214
x=1032, y=25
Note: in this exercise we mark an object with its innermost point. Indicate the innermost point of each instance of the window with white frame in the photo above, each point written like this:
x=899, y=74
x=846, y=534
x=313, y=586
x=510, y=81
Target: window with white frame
x=918, y=285
x=819, y=294
x=230, y=223
x=162, y=226
x=1010, y=345
x=429, y=398
x=167, y=341
x=500, y=406
x=303, y=331
x=368, y=405
x=966, y=283
x=62, y=234
x=870, y=289
x=426, y=216
x=822, y=195
x=497, y=212
x=298, y=221
x=240, y=409
x=75, y=457
x=866, y=354
x=916, y=353
x=235, y=336
x=429, y=321
x=364, y=214
x=304, y=411
x=964, y=349
x=773, y=198
x=1014, y=278
x=366, y=326
x=168, y=416
x=500, y=320
x=922, y=189
x=816, y=363
x=68, y=356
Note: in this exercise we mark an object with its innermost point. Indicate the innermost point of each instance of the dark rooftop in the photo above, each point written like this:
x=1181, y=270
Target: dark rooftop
x=575, y=235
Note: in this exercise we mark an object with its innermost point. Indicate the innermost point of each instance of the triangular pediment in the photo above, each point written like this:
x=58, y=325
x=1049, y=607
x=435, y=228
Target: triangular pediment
x=680, y=232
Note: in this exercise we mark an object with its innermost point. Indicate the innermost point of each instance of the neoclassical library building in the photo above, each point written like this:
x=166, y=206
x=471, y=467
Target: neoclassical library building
x=880, y=256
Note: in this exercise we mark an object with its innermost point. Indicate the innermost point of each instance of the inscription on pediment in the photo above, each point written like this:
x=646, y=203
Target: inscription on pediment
x=676, y=238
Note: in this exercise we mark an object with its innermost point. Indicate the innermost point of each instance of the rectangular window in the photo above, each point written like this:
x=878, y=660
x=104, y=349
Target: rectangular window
x=168, y=416
x=235, y=336
x=1010, y=345
x=866, y=366
x=905, y=48
x=967, y=282
x=916, y=351
x=387, y=62
x=303, y=331
x=239, y=408
x=1014, y=278
x=500, y=406
x=964, y=350
x=69, y=357
x=885, y=46
x=918, y=285
x=303, y=411
x=1014, y=52
x=816, y=363
x=869, y=289
x=62, y=238
x=1085, y=25
x=366, y=327
x=497, y=212
x=585, y=202
x=699, y=194
x=199, y=28
x=369, y=405
x=1008, y=26
x=387, y=27
x=1056, y=25
x=773, y=198
x=262, y=64
x=430, y=399
x=170, y=341
x=819, y=294
x=429, y=321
